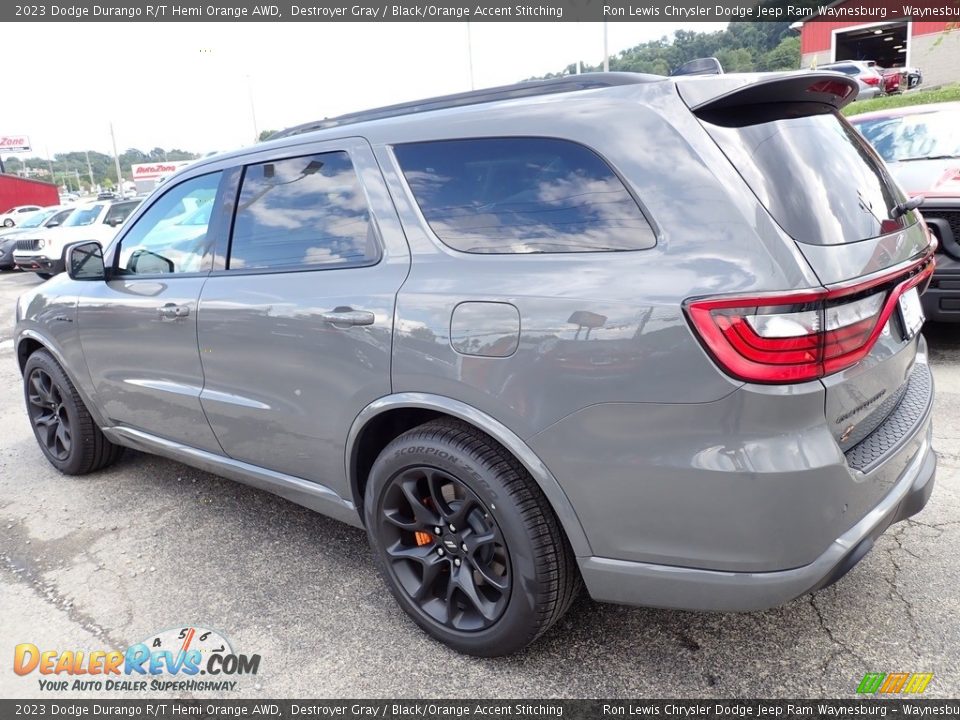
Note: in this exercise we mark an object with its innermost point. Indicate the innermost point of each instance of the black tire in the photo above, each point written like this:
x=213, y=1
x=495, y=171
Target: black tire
x=8, y=223
x=64, y=429
x=44, y=276
x=510, y=538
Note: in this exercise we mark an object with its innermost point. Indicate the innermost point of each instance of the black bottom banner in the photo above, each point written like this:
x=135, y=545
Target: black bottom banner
x=446, y=709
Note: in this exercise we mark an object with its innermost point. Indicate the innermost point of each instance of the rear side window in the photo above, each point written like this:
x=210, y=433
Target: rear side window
x=300, y=213
x=814, y=173
x=522, y=195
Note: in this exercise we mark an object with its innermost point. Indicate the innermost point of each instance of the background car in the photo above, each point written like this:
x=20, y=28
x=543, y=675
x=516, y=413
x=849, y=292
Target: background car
x=921, y=146
x=15, y=214
x=42, y=250
x=868, y=78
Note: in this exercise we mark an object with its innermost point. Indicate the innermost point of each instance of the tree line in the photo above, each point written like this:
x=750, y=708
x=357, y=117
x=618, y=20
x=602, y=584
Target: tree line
x=744, y=46
x=68, y=167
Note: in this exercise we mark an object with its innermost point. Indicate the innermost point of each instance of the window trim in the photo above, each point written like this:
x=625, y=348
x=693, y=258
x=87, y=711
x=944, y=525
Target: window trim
x=113, y=272
x=239, y=272
x=425, y=224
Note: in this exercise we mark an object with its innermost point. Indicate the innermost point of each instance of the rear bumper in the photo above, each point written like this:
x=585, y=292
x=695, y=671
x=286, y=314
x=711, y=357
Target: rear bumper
x=634, y=583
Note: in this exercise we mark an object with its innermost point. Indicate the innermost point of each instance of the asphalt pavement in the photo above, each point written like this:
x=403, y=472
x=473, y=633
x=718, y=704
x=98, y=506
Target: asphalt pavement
x=107, y=560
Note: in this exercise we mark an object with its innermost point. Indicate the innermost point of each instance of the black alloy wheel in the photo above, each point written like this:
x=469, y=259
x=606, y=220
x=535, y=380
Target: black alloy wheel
x=49, y=415
x=466, y=540
x=64, y=428
x=444, y=548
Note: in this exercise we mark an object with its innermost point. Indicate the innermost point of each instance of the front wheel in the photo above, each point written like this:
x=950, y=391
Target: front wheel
x=65, y=430
x=466, y=541
x=44, y=276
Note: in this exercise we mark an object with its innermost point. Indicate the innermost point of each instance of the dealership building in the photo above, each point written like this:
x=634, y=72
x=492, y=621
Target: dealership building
x=868, y=30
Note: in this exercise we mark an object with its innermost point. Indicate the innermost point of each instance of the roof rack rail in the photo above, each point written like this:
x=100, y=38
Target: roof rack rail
x=568, y=83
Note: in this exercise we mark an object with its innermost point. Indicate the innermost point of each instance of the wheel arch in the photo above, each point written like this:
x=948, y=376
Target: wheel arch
x=29, y=341
x=387, y=417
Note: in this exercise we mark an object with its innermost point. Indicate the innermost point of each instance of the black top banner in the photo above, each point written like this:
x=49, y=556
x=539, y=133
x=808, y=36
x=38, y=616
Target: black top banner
x=479, y=11
x=428, y=709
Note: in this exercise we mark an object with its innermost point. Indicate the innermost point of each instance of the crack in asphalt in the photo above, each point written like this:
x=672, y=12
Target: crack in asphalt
x=833, y=637
x=27, y=573
x=895, y=592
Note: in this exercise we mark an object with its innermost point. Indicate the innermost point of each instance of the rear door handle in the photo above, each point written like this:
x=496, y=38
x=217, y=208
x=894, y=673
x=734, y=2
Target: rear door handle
x=171, y=311
x=348, y=316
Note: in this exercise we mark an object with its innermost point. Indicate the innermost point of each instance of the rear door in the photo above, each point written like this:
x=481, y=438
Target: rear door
x=829, y=191
x=295, y=331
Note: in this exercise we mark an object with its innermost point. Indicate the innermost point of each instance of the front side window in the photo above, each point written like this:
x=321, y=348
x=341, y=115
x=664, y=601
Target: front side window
x=522, y=195
x=167, y=238
x=301, y=213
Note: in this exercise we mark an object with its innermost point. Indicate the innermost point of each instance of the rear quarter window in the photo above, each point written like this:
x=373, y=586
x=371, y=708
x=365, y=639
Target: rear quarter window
x=522, y=195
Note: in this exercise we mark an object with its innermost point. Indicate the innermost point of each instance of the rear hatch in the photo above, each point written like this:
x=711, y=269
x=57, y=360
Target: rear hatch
x=829, y=191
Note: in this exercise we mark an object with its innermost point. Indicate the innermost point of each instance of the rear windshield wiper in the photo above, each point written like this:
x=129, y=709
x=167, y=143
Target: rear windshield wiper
x=905, y=207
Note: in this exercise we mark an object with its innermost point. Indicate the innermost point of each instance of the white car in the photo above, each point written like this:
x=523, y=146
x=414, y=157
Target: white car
x=42, y=252
x=13, y=216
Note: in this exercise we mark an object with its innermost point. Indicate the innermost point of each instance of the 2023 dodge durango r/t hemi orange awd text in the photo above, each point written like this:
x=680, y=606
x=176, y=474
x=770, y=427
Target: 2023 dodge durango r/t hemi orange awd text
x=654, y=336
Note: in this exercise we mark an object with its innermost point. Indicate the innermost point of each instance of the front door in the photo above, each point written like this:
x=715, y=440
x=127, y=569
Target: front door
x=295, y=334
x=139, y=328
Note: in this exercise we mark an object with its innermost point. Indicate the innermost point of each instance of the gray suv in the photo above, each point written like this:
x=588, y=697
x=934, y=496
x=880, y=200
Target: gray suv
x=654, y=336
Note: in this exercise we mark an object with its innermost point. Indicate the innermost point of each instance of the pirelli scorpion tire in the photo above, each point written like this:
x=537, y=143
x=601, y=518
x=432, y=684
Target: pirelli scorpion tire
x=64, y=429
x=466, y=541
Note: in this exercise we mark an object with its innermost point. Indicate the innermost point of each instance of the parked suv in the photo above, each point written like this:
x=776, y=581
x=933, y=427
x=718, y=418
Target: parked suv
x=606, y=330
x=42, y=251
x=869, y=78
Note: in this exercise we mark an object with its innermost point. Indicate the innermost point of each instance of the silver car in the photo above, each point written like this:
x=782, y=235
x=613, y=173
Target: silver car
x=869, y=79
x=658, y=337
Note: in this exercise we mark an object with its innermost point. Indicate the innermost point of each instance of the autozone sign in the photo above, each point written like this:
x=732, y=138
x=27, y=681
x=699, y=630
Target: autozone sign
x=152, y=171
x=14, y=143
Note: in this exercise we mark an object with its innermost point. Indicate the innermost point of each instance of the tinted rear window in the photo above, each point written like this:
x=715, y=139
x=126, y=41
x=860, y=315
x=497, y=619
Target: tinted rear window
x=814, y=173
x=522, y=195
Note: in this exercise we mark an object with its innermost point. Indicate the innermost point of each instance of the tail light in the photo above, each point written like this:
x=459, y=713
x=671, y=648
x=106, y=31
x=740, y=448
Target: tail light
x=792, y=337
x=871, y=79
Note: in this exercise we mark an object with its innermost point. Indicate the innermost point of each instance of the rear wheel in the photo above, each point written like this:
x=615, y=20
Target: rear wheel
x=8, y=223
x=65, y=430
x=44, y=276
x=466, y=541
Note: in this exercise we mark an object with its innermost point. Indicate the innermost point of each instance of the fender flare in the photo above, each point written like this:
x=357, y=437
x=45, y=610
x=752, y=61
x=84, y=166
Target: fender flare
x=51, y=347
x=498, y=431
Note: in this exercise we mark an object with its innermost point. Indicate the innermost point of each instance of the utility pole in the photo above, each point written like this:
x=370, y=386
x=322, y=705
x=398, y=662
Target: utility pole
x=89, y=169
x=470, y=53
x=116, y=160
x=606, y=53
x=253, y=112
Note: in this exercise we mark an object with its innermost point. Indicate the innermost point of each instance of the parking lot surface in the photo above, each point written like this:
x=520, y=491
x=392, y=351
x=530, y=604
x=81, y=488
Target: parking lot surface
x=107, y=560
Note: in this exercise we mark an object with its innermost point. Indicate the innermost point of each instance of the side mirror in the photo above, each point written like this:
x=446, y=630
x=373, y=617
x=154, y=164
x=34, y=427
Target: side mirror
x=114, y=221
x=84, y=261
x=53, y=224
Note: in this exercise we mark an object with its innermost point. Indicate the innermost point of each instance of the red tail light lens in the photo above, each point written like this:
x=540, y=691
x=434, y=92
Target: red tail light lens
x=804, y=335
x=871, y=79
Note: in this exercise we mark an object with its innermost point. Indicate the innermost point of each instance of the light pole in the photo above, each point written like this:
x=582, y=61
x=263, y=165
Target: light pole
x=253, y=112
x=470, y=53
x=116, y=160
x=606, y=53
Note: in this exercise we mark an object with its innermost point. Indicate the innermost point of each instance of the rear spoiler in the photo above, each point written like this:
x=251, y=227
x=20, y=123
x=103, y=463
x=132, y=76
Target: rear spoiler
x=729, y=91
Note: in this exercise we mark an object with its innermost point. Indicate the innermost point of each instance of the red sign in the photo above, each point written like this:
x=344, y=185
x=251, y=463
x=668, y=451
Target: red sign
x=147, y=171
x=14, y=143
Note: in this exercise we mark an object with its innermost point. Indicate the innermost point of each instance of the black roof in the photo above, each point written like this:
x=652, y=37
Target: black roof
x=568, y=83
